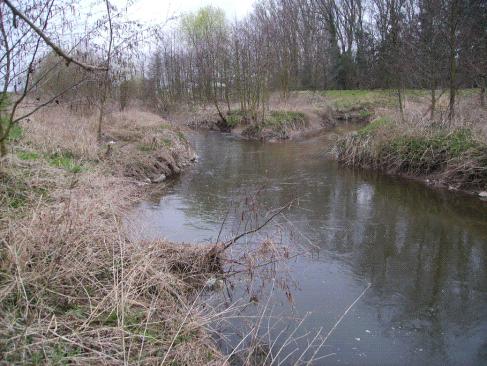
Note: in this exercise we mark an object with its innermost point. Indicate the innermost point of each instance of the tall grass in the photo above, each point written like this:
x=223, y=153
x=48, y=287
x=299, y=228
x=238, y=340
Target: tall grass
x=448, y=153
x=73, y=287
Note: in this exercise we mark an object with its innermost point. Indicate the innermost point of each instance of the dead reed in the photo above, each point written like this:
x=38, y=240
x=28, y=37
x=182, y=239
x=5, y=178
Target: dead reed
x=73, y=287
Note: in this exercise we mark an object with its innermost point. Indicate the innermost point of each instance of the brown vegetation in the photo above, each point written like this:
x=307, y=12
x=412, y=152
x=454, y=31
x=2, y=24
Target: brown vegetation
x=299, y=114
x=73, y=287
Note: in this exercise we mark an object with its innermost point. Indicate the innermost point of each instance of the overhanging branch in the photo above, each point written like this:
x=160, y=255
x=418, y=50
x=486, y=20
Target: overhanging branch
x=50, y=43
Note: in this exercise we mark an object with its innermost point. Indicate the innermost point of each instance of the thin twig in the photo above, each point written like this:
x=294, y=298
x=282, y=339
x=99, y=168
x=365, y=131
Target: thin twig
x=240, y=236
x=339, y=321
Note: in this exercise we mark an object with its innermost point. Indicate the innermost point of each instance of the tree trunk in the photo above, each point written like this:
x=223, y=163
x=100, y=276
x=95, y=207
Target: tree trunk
x=433, y=103
x=451, y=111
x=100, y=117
x=453, y=91
x=453, y=62
x=3, y=133
x=107, y=71
x=400, y=101
x=3, y=148
x=482, y=96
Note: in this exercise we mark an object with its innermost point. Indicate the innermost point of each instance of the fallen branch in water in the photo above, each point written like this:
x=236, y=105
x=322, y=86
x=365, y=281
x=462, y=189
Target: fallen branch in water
x=232, y=241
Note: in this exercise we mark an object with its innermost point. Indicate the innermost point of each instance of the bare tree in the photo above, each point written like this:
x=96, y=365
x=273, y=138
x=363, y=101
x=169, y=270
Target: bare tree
x=24, y=46
x=106, y=78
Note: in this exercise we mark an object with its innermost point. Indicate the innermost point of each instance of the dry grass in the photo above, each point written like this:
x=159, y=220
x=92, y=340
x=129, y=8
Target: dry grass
x=55, y=129
x=156, y=148
x=73, y=288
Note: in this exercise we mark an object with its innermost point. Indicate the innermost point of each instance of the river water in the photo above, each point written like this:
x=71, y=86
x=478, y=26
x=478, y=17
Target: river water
x=422, y=251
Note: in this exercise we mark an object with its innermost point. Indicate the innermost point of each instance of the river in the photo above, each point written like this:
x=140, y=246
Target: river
x=423, y=251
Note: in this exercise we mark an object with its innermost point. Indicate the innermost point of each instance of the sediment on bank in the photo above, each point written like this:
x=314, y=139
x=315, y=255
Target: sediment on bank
x=73, y=287
x=443, y=154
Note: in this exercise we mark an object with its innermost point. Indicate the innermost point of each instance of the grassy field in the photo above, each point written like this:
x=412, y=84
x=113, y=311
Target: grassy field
x=346, y=100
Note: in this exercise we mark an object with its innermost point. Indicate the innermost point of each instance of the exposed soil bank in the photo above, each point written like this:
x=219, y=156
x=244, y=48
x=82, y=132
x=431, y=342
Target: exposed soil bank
x=147, y=148
x=73, y=287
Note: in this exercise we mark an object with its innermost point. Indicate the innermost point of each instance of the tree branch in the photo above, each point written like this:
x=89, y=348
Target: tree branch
x=240, y=236
x=50, y=43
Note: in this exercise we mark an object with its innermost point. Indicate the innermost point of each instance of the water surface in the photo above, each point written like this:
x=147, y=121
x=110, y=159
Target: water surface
x=423, y=251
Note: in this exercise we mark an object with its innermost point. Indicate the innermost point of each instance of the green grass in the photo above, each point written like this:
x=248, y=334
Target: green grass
x=415, y=145
x=16, y=132
x=16, y=200
x=234, y=118
x=284, y=118
x=184, y=337
x=469, y=92
x=167, y=142
x=15, y=191
x=182, y=137
x=276, y=120
x=373, y=126
x=27, y=155
x=454, y=156
x=146, y=147
x=415, y=148
x=280, y=122
x=135, y=323
x=350, y=100
x=59, y=354
x=65, y=161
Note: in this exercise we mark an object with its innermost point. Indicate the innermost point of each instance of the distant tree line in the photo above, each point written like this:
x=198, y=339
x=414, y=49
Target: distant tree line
x=285, y=45
x=282, y=45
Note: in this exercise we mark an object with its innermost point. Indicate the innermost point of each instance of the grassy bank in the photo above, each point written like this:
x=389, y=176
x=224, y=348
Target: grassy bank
x=276, y=125
x=284, y=119
x=447, y=154
x=73, y=288
x=348, y=100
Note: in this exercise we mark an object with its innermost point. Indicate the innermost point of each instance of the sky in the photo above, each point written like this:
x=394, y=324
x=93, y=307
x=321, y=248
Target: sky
x=159, y=10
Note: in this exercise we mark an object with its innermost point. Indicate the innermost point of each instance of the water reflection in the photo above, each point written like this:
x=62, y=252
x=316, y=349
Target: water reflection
x=423, y=251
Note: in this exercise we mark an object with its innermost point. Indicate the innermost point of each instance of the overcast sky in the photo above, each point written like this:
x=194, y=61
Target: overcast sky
x=159, y=10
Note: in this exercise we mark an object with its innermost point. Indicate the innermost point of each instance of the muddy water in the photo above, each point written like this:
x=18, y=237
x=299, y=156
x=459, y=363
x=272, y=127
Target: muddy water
x=424, y=252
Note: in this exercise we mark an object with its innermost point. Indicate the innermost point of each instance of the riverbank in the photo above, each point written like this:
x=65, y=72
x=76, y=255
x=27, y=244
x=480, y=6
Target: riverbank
x=439, y=152
x=300, y=114
x=419, y=144
x=73, y=287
